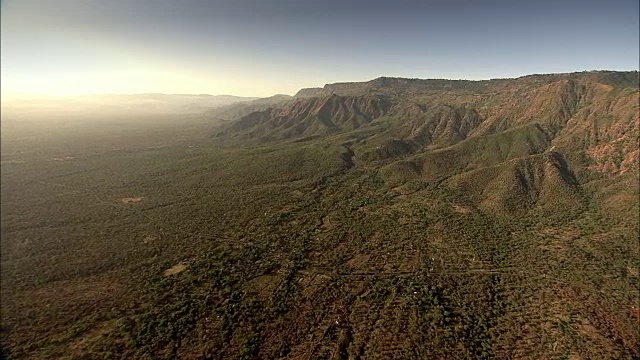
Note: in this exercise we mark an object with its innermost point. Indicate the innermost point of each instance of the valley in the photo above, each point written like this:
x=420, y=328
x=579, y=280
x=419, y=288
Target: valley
x=394, y=218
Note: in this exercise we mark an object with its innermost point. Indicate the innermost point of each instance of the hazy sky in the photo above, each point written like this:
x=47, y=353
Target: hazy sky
x=260, y=47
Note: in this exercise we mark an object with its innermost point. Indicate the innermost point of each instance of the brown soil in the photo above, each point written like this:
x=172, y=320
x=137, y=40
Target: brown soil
x=85, y=342
x=263, y=286
x=326, y=223
x=179, y=267
x=635, y=312
x=149, y=239
x=66, y=158
x=311, y=283
x=462, y=209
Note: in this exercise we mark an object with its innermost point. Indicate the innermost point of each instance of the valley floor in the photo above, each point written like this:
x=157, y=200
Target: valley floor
x=179, y=247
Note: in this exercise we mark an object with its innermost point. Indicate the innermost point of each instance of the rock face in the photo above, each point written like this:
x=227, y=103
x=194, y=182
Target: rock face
x=308, y=92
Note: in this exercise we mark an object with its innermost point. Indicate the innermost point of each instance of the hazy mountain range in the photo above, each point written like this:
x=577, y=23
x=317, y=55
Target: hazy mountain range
x=123, y=104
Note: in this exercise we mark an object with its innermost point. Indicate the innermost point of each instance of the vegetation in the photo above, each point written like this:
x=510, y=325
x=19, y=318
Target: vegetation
x=502, y=230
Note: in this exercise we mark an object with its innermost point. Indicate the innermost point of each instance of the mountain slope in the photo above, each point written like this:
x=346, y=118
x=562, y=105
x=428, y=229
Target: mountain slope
x=529, y=141
x=237, y=110
x=310, y=117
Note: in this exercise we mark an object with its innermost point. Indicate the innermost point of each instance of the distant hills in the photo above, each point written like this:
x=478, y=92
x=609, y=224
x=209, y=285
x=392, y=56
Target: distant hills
x=118, y=104
x=240, y=109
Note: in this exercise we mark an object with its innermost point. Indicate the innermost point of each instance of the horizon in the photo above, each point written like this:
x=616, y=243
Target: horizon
x=248, y=48
x=10, y=95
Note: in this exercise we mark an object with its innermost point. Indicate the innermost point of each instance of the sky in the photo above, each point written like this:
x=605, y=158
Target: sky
x=262, y=48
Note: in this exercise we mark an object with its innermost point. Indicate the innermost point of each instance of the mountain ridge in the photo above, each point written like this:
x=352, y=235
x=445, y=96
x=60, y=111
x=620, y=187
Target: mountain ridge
x=446, y=128
x=629, y=78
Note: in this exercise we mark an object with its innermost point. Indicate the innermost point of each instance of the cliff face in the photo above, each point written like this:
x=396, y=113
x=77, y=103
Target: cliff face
x=308, y=92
